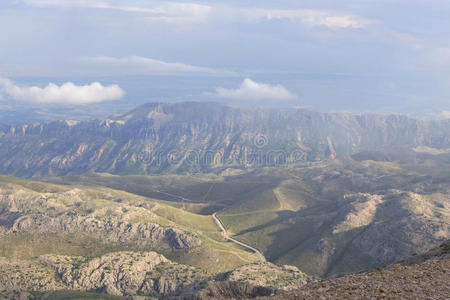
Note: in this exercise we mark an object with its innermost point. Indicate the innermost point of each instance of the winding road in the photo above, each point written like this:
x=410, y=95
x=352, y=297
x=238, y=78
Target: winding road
x=219, y=223
x=176, y=196
x=227, y=237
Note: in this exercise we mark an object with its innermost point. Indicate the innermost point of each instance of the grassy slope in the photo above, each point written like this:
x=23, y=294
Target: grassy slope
x=214, y=255
x=274, y=209
x=78, y=295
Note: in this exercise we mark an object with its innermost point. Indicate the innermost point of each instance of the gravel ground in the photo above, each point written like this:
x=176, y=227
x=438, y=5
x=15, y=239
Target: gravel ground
x=426, y=280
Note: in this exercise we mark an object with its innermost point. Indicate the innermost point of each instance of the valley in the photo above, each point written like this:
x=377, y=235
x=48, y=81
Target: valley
x=227, y=237
x=335, y=217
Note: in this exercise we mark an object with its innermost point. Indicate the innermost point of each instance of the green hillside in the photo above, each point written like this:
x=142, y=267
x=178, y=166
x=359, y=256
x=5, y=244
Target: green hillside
x=326, y=218
x=31, y=197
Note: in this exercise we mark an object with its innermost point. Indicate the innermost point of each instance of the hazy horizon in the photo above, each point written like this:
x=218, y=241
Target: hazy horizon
x=79, y=59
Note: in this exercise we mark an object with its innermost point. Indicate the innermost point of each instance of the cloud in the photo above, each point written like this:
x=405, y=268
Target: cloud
x=166, y=12
x=310, y=18
x=255, y=91
x=66, y=94
x=446, y=114
x=195, y=12
x=314, y=18
x=136, y=65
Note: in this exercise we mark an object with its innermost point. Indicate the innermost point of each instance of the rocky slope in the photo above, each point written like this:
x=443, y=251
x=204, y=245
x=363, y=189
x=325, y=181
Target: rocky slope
x=68, y=213
x=269, y=275
x=123, y=273
x=110, y=231
x=204, y=137
x=427, y=278
x=422, y=278
x=118, y=273
x=146, y=274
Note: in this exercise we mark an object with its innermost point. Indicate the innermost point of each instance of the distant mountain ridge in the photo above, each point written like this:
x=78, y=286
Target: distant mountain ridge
x=204, y=137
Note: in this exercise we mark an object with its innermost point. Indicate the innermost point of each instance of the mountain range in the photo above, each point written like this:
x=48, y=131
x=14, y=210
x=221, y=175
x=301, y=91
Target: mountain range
x=205, y=137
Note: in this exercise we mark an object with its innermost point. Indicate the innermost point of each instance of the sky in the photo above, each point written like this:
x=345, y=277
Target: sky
x=83, y=59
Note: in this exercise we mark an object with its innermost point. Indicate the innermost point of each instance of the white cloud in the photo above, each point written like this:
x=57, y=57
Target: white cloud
x=255, y=91
x=313, y=18
x=446, y=114
x=66, y=94
x=308, y=17
x=195, y=12
x=135, y=65
x=166, y=12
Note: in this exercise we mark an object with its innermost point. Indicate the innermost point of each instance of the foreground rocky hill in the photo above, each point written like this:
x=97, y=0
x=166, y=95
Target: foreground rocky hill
x=85, y=213
x=118, y=273
x=204, y=137
x=421, y=277
x=147, y=273
x=425, y=277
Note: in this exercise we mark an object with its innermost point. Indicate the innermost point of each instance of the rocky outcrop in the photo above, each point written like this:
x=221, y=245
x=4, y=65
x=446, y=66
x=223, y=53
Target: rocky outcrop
x=221, y=290
x=128, y=273
x=149, y=274
x=89, y=213
x=267, y=274
x=123, y=273
x=108, y=230
x=20, y=275
x=118, y=273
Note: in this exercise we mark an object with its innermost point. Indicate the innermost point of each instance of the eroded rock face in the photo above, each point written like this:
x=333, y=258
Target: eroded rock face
x=123, y=273
x=20, y=275
x=267, y=274
x=221, y=290
x=118, y=273
x=109, y=230
x=77, y=211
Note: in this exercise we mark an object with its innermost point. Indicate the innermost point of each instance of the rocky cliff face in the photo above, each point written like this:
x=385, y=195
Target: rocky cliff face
x=79, y=212
x=148, y=234
x=123, y=273
x=198, y=137
x=118, y=273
